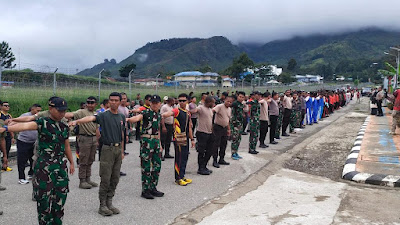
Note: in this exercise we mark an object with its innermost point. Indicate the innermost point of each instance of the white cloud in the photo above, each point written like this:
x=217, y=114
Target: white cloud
x=79, y=34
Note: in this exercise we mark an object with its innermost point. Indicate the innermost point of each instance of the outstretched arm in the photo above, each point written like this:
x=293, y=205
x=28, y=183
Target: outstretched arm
x=23, y=119
x=86, y=119
x=168, y=114
x=135, y=119
x=69, y=115
x=20, y=127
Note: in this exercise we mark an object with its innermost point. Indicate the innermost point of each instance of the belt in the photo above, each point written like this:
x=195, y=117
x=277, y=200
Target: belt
x=86, y=135
x=112, y=144
x=150, y=136
x=220, y=125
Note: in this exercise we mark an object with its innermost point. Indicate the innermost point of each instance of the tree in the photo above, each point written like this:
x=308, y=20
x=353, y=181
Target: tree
x=286, y=78
x=124, y=71
x=356, y=82
x=205, y=69
x=292, y=64
x=263, y=71
x=7, y=56
x=239, y=65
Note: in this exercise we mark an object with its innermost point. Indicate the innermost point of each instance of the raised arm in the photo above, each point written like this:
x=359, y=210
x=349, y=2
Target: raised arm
x=168, y=114
x=69, y=115
x=23, y=119
x=135, y=119
x=86, y=119
x=20, y=127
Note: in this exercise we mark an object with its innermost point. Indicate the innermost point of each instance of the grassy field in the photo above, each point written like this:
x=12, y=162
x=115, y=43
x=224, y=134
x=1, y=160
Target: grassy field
x=21, y=98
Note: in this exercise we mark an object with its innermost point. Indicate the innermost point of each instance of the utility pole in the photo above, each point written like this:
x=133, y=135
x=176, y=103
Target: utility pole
x=100, y=83
x=397, y=71
x=55, y=82
x=130, y=83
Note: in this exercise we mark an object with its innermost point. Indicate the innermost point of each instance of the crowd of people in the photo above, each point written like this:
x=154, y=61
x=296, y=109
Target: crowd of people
x=206, y=125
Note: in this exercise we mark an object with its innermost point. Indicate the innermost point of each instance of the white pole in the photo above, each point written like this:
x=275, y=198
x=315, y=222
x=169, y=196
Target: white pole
x=55, y=82
x=100, y=83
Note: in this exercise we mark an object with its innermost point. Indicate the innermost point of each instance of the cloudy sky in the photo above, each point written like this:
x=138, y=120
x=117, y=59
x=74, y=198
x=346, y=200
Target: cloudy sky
x=76, y=34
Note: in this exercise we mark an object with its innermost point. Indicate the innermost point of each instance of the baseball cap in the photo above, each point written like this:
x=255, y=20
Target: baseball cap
x=155, y=98
x=58, y=103
x=165, y=98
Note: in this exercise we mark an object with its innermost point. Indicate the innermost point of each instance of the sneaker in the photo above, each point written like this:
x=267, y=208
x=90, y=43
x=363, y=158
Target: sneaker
x=181, y=182
x=23, y=181
x=240, y=157
x=189, y=181
x=203, y=172
x=234, y=156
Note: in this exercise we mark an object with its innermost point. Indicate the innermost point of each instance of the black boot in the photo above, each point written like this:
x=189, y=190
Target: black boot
x=215, y=164
x=223, y=162
x=156, y=193
x=147, y=195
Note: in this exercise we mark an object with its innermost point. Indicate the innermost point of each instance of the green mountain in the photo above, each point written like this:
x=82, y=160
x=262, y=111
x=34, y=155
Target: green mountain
x=310, y=52
x=175, y=55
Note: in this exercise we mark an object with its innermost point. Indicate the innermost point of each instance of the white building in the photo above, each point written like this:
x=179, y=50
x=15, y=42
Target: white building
x=309, y=78
x=197, y=78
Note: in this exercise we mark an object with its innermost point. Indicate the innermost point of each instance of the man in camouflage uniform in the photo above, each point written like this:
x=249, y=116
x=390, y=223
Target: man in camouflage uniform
x=150, y=148
x=237, y=120
x=254, y=122
x=50, y=183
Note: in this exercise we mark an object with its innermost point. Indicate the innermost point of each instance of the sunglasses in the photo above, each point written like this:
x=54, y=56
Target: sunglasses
x=90, y=102
x=6, y=105
x=182, y=100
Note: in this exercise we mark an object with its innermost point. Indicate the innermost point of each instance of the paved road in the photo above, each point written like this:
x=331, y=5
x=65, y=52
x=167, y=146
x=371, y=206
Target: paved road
x=82, y=205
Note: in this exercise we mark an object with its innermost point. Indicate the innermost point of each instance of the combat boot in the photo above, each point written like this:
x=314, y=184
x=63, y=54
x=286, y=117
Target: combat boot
x=84, y=185
x=111, y=207
x=93, y=184
x=104, y=210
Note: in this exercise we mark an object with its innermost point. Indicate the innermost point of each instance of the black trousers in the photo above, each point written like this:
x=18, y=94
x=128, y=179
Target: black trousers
x=303, y=115
x=273, y=123
x=100, y=146
x=263, y=130
x=166, y=138
x=204, y=148
x=137, y=133
x=379, y=104
x=8, y=147
x=194, y=122
x=24, y=153
x=220, y=141
x=286, y=120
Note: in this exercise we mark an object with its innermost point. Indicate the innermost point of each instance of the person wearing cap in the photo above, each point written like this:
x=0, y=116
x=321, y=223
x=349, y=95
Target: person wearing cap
x=167, y=132
x=254, y=122
x=87, y=141
x=112, y=125
x=5, y=115
x=150, y=147
x=287, y=105
x=140, y=109
x=50, y=181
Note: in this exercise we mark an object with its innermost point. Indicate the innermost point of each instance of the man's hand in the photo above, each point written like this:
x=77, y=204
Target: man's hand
x=5, y=162
x=72, y=123
x=228, y=133
x=7, y=121
x=193, y=143
x=13, y=141
x=71, y=168
x=122, y=156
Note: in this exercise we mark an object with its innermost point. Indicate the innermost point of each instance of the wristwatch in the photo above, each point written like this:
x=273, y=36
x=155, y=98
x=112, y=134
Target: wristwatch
x=6, y=127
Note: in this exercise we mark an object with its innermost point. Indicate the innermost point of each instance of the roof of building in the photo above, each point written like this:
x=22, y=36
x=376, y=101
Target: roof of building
x=195, y=73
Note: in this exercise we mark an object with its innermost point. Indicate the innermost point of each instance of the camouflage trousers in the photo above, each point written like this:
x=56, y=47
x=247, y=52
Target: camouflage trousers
x=50, y=188
x=395, y=120
x=236, y=136
x=279, y=125
x=150, y=156
x=254, y=131
x=295, y=119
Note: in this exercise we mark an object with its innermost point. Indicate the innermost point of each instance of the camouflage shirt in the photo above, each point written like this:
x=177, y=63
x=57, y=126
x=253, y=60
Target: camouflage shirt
x=52, y=136
x=237, y=113
x=151, y=122
x=254, y=110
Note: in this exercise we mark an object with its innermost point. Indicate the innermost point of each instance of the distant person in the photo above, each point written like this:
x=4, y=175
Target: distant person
x=379, y=97
x=167, y=125
x=254, y=125
x=239, y=109
x=192, y=105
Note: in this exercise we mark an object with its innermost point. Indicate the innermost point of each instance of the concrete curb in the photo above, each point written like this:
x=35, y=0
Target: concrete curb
x=350, y=172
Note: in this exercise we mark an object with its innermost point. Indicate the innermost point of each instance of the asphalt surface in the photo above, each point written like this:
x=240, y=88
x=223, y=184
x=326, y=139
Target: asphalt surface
x=82, y=205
